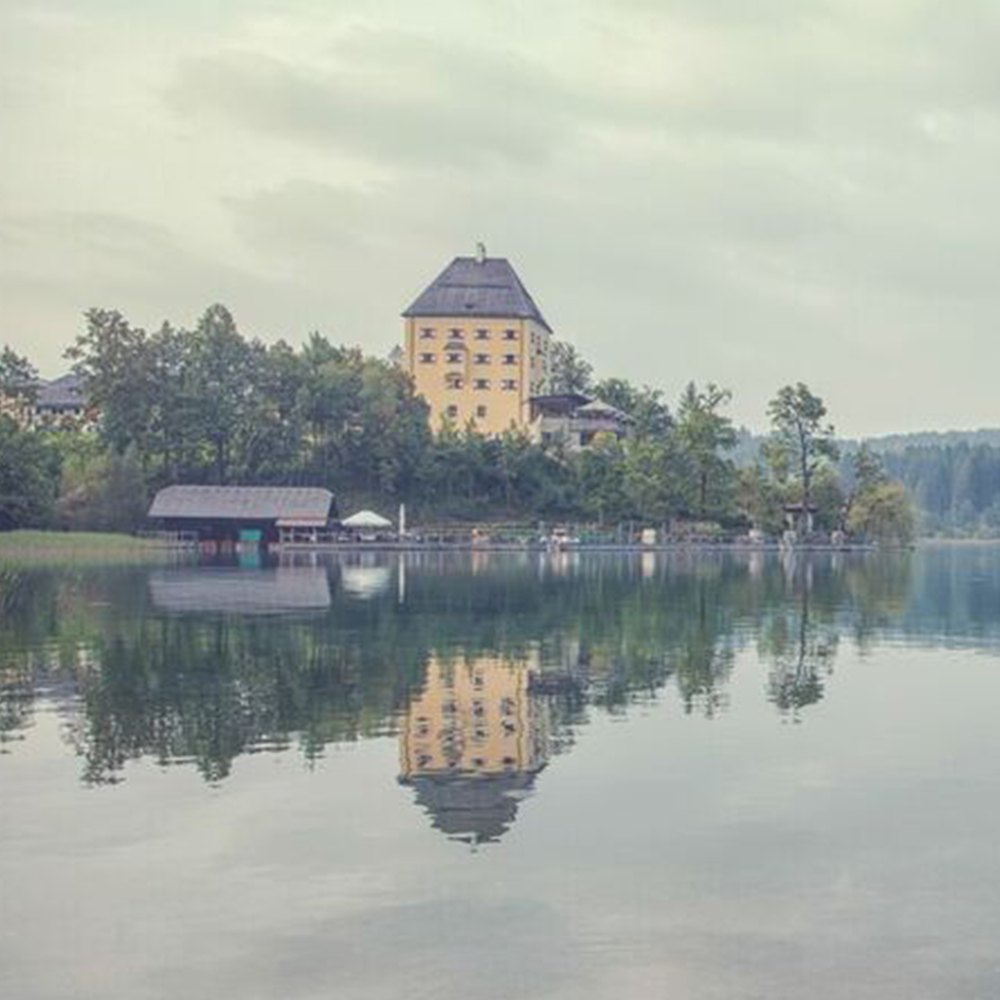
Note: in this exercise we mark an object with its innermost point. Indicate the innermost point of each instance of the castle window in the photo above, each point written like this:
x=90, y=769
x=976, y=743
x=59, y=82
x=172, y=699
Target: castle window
x=454, y=381
x=457, y=333
x=481, y=413
x=427, y=359
x=482, y=334
x=481, y=383
x=427, y=333
x=482, y=359
x=510, y=335
x=452, y=412
x=454, y=358
x=509, y=383
x=510, y=359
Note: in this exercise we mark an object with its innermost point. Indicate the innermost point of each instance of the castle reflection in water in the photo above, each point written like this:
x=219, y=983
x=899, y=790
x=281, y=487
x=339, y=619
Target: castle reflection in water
x=472, y=742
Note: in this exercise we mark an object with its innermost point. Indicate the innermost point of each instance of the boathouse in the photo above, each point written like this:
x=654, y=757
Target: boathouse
x=244, y=515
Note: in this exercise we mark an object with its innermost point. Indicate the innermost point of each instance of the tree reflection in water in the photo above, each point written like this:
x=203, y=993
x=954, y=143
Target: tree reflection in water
x=483, y=667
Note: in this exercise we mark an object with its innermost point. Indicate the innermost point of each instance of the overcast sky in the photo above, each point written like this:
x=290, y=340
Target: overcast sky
x=748, y=191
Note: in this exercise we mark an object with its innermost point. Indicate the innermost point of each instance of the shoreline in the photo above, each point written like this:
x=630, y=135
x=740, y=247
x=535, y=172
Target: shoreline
x=286, y=548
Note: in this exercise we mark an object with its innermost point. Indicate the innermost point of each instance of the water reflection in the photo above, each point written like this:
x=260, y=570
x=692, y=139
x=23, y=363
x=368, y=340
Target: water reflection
x=483, y=667
x=471, y=743
x=240, y=590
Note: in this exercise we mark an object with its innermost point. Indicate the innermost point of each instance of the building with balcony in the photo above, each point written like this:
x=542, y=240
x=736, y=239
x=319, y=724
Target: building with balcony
x=575, y=421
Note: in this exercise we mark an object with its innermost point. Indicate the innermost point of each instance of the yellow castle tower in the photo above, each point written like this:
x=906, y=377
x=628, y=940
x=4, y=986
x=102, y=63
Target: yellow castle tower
x=477, y=345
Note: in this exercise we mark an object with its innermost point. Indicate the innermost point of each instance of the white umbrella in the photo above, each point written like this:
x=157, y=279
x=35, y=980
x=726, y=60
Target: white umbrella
x=366, y=519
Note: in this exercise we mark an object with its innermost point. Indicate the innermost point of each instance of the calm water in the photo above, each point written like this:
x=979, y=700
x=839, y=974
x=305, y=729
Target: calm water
x=493, y=777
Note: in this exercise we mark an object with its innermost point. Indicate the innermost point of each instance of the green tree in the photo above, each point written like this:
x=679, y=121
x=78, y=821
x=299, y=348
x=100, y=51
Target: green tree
x=801, y=437
x=114, y=358
x=654, y=478
x=599, y=473
x=829, y=500
x=101, y=490
x=18, y=376
x=644, y=405
x=29, y=477
x=868, y=470
x=883, y=513
x=18, y=385
x=759, y=499
x=704, y=434
x=222, y=388
x=569, y=372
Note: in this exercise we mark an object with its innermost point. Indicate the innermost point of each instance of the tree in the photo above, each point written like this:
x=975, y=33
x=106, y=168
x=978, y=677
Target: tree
x=18, y=384
x=801, y=437
x=829, y=500
x=883, y=513
x=599, y=480
x=29, y=476
x=17, y=374
x=114, y=359
x=101, y=490
x=867, y=470
x=644, y=405
x=653, y=479
x=704, y=433
x=759, y=499
x=222, y=386
x=570, y=373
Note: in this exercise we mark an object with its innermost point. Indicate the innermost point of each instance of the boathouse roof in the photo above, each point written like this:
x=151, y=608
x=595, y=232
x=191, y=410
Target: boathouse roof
x=281, y=504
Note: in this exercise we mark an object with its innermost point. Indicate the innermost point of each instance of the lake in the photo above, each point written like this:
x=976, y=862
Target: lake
x=495, y=775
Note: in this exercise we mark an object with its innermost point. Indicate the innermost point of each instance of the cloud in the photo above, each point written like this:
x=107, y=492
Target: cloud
x=390, y=97
x=752, y=193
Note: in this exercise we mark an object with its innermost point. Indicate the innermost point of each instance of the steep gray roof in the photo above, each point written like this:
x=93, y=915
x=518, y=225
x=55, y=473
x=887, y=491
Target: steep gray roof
x=470, y=287
x=471, y=808
x=64, y=392
x=243, y=503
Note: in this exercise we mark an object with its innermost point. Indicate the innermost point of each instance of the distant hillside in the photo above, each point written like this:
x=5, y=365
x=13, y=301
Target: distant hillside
x=933, y=439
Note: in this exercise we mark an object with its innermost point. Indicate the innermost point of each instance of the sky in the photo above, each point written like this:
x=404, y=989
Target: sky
x=751, y=193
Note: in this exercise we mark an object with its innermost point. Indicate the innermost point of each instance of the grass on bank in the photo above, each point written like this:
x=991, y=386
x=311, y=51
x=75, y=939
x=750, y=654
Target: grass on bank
x=53, y=546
